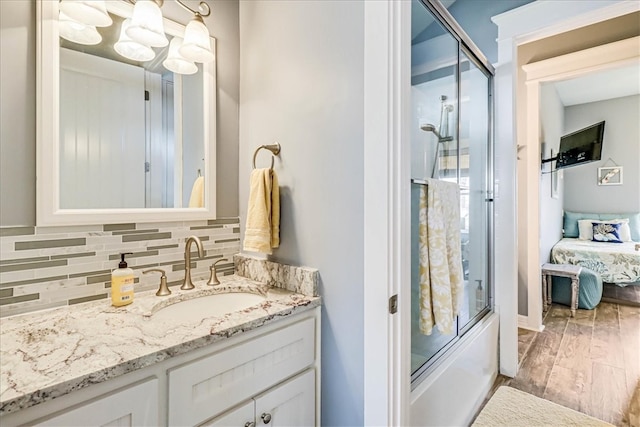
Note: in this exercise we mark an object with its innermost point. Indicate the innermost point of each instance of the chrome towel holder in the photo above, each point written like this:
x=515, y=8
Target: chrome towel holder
x=274, y=148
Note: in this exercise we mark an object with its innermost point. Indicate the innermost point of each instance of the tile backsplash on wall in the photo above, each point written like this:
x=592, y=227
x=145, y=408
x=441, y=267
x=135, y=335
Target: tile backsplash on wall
x=46, y=267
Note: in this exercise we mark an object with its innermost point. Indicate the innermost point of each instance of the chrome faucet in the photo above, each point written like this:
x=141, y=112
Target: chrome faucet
x=187, y=283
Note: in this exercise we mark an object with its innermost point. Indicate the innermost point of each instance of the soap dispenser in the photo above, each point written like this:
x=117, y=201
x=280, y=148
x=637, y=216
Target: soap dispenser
x=122, y=283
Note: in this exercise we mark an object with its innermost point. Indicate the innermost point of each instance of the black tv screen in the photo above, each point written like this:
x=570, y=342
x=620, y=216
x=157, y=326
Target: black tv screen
x=581, y=146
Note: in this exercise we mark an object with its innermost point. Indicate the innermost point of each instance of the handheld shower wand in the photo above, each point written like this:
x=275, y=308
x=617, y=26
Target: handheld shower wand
x=441, y=133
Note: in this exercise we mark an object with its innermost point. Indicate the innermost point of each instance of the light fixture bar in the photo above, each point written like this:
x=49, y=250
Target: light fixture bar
x=201, y=7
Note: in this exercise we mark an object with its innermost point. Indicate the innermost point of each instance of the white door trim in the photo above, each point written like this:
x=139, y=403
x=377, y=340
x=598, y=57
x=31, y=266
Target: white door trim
x=386, y=212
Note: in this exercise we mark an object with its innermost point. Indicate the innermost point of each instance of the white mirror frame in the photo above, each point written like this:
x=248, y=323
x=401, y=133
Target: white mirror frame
x=48, y=211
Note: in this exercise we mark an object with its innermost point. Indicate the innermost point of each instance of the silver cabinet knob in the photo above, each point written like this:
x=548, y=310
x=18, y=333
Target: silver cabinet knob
x=266, y=418
x=250, y=424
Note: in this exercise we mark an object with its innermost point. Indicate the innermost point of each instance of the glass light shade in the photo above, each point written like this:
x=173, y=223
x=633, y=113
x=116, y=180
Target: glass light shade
x=196, y=46
x=130, y=48
x=77, y=32
x=146, y=24
x=90, y=12
x=175, y=62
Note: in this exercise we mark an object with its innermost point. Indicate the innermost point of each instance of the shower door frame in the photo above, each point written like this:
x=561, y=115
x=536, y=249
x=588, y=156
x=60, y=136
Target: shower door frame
x=467, y=48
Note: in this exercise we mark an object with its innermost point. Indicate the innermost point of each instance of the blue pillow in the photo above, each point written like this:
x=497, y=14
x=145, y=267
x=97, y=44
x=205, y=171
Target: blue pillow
x=606, y=232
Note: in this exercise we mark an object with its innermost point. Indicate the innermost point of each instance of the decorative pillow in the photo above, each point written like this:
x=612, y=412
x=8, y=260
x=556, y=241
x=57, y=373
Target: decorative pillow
x=606, y=232
x=585, y=226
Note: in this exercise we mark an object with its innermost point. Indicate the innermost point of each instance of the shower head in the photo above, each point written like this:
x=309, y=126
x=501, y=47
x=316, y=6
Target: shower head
x=428, y=127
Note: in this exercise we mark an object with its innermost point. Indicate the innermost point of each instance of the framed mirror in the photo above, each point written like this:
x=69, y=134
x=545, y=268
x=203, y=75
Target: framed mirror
x=120, y=140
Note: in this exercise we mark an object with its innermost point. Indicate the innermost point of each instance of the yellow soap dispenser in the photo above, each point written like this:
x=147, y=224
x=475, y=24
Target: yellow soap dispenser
x=122, y=283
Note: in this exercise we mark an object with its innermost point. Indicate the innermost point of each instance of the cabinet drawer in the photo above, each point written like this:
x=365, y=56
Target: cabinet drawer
x=133, y=406
x=207, y=387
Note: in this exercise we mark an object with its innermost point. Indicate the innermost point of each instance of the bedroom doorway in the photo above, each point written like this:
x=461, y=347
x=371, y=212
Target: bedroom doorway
x=540, y=211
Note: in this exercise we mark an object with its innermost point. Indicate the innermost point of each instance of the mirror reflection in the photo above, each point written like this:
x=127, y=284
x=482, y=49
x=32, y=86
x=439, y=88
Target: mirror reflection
x=131, y=131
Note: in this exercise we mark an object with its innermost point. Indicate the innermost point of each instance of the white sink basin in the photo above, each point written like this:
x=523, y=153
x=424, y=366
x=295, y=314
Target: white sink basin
x=207, y=306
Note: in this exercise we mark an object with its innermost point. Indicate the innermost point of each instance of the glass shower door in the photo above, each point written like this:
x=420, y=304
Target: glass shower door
x=450, y=141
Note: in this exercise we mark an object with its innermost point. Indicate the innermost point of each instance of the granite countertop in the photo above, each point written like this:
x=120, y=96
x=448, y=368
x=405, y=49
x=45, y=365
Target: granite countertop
x=50, y=353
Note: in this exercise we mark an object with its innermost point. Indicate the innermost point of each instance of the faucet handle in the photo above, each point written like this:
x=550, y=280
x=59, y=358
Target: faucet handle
x=164, y=289
x=213, y=279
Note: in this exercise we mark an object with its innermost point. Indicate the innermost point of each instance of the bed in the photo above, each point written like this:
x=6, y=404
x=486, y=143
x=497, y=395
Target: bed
x=617, y=263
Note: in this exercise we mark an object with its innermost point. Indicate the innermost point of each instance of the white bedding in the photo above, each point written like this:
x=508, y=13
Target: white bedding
x=617, y=263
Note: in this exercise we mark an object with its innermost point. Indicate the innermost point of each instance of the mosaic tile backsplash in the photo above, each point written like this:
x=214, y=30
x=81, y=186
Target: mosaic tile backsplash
x=46, y=267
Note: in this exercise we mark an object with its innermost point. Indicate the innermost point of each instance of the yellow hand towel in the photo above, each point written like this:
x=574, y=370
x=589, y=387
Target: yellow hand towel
x=262, y=230
x=197, y=193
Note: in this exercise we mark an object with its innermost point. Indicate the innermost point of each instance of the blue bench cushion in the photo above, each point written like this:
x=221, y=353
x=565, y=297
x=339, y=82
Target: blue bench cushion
x=590, y=289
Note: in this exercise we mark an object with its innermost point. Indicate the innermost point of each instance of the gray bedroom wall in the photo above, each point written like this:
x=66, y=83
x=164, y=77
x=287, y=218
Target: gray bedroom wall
x=621, y=145
x=18, y=106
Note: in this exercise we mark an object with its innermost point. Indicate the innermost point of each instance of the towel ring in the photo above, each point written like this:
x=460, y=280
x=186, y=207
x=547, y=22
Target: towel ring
x=274, y=148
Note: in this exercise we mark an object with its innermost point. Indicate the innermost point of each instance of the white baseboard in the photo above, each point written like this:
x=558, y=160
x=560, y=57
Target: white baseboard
x=523, y=322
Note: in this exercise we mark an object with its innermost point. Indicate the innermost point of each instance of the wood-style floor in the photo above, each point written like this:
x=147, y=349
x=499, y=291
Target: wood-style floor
x=590, y=363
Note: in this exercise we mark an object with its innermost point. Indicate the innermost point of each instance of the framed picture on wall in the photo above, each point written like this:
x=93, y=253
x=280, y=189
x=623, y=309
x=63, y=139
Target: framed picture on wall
x=611, y=175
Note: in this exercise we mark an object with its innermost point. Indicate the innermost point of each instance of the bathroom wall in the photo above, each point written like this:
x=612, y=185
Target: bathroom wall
x=17, y=104
x=301, y=68
x=621, y=145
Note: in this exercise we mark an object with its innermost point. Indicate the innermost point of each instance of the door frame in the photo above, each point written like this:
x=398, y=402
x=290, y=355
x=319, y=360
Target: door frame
x=534, y=21
x=387, y=57
x=580, y=63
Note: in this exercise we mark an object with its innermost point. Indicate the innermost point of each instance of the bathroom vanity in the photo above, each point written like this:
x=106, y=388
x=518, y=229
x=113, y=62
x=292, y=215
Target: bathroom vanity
x=93, y=364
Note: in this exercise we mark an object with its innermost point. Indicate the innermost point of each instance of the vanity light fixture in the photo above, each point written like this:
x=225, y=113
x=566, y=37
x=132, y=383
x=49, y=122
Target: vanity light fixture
x=89, y=12
x=175, y=62
x=131, y=49
x=78, y=32
x=139, y=34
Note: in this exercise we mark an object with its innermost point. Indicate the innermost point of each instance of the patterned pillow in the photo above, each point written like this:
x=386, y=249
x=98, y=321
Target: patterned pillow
x=606, y=232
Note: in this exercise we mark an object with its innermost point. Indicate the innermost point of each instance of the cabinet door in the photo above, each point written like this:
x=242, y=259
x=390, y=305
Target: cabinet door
x=242, y=416
x=292, y=403
x=133, y=406
x=207, y=387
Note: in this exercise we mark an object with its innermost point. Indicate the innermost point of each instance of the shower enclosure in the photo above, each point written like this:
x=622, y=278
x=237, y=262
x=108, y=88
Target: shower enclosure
x=450, y=140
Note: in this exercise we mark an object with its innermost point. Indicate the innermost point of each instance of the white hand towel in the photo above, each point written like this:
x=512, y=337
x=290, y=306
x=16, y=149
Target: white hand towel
x=262, y=230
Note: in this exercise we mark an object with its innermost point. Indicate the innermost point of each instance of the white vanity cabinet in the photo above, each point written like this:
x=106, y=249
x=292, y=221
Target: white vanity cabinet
x=271, y=369
x=289, y=404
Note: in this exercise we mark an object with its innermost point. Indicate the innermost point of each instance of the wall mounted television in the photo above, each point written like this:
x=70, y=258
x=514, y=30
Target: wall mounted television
x=581, y=146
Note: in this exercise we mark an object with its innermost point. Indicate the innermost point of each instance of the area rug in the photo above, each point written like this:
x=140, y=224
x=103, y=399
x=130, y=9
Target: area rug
x=511, y=407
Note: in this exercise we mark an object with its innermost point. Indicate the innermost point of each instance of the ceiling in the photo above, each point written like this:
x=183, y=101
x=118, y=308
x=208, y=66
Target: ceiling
x=600, y=85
